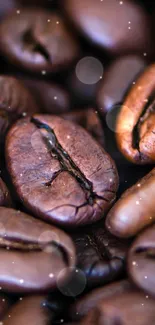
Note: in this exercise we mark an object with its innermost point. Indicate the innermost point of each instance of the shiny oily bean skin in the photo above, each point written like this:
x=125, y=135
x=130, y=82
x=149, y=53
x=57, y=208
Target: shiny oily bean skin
x=5, y=198
x=125, y=309
x=50, y=97
x=15, y=102
x=89, y=120
x=63, y=175
x=141, y=261
x=100, y=256
x=32, y=253
x=135, y=209
x=29, y=310
x=135, y=125
x=106, y=24
x=37, y=40
x=85, y=304
x=118, y=77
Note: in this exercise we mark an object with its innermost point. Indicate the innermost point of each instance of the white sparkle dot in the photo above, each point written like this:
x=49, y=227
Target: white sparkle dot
x=21, y=175
x=57, y=22
x=9, y=316
x=61, y=320
x=1, y=323
x=100, y=77
x=18, y=12
x=129, y=27
x=145, y=276
x=76, y=271
x=133, y=263
x=134, y=83
x=51, y=275
x=43, y=72
x=0, y=288
x=48, y=20
x=129, y=22
x=3, y=300
x=145, y=54
x=139, y=88
x=121, y=2
x=138, y=185
x=39, y=158
x=146, y=100
x=68, y=136
x=24, y=114
x=20, y=298
x=142, y=304
x=55, y=97
x=147, y=297
x=150, y=218
x=137, y=202
x=21, y=281
x=110, y=180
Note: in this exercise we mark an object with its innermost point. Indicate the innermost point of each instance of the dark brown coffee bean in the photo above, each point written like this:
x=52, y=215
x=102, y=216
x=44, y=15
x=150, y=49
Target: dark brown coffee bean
x=141, y=261
x=89, y=120
x=60, y=173
x=50, y=97
x=5, y=198
x=37, y=40
x=117, y=79
x=116, y=26
x=100, y=256
x=15, y=102
x=135, y=126
x=125, y=309
x=84, y=305
x=29, y=310
x=32, y=253
x=135, y=209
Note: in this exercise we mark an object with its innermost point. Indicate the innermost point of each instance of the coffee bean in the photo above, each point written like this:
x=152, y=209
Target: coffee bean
x=125, y=309
x=135, y=209
x=117, y=27
x=89, y=120
x=85, y=304
x=29, y=310
x=37, y=40
x=50, y=97
x=100, y=256
x=141, y=261
x=60, y=173
x=118, y=77
x=32, y=253
x=15, y=102
x=5, y=198
x=135, y=126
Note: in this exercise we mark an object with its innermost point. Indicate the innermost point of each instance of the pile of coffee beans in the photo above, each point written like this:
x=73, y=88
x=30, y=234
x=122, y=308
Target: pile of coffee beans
x=77, y=162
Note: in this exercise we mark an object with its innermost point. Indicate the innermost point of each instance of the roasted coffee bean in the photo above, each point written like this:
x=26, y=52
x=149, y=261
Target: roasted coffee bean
x=135, y=209
x=84, y=305
x=50, y=97
x=116, y=27
x=15, y=102
x=100, y=256
x=118, y=77
x=5, y=198
x=135, y=126
x=89, y=120
x=32, y=253
x=37, y=40
x=125, y=309
x=29, y=310
x=141, y=261
x=59, y=172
